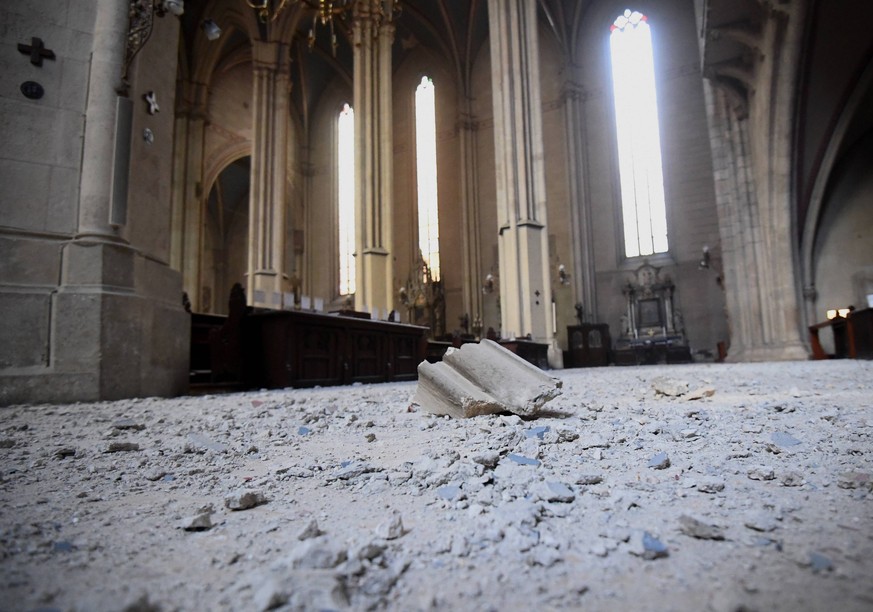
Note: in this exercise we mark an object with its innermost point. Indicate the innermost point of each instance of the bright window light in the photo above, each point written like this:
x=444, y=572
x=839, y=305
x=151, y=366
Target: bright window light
x=426, y=165
x=639, y=141
x=346, y=199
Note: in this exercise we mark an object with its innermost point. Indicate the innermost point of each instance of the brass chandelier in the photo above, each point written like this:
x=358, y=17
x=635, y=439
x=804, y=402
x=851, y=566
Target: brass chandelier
x=324, y=12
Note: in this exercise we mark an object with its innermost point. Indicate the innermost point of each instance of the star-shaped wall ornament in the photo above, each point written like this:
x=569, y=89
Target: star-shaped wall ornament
x=151, y=99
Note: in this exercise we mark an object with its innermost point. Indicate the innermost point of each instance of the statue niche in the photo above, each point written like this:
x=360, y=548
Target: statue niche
x=652, y=329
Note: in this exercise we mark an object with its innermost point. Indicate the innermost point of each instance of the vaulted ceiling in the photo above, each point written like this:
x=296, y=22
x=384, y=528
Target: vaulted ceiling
x=454, y=30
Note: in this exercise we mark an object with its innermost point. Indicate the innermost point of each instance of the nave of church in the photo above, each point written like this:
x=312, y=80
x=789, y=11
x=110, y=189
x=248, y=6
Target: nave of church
x=685, y=179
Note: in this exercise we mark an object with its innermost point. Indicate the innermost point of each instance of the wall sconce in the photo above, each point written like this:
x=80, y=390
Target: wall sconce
x=404, y=296
x=211, y=29
x=563, y=275
x=703, y=264
x=488, y=284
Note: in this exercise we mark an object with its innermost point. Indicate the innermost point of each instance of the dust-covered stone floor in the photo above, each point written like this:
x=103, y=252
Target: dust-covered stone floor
x=702, y=487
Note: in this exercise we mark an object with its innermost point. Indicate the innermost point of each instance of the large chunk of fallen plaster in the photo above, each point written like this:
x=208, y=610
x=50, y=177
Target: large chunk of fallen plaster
x=483, y=378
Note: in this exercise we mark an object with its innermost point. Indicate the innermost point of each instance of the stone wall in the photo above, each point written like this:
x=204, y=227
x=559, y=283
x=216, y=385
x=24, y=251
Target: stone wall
x=90, y=309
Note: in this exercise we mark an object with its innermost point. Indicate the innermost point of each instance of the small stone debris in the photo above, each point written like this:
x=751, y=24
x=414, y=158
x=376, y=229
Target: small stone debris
x=820, y=563
x=659, y=461
x=142, y=604
x=644, y=544
x=370, y=437
x=65, y=451
x=761, y=521
x=352, y=469
x=122, y=447
x=791, y=479
x=243, y=500
x=522, y=460
x=301, y=590
x=487, y=458
x=690, y=526
x=127, y=424
x=566, y=435
x=669, y=387
x=855, y=480
x=310, y=531
x=202, y=521
x=699, y=393
x=536, y=432
x=589, y=479
x=317, y=553
x=710, y=485
x=761, y=472
x=62, y=546
x=449, y=492
x=155, y=474
x=559, y=492
x=7, y=443
x=198, y=443
x=783, y=439
x=392, y=528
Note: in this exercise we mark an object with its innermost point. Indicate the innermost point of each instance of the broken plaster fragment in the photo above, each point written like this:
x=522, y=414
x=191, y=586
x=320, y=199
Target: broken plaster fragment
x=483, y=378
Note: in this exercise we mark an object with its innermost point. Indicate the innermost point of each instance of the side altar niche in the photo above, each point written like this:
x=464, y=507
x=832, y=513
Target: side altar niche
x=652, y=328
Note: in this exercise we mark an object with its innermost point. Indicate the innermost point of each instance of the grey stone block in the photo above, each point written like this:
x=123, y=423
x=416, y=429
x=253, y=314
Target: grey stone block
x=483, y=378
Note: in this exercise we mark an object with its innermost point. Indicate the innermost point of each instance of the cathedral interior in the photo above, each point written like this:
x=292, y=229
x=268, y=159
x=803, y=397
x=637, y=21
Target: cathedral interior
x=218, y=218
x=156, y=148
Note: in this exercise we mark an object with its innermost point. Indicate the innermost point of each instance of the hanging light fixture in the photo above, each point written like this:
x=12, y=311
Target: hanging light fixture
x=325, y=11
x=268, y=10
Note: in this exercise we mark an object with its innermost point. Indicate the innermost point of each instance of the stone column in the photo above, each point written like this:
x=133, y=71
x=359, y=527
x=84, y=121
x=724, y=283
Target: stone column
x=525, y=286
x=471, y=256
x=266, y=277
x=98, y=255
x=752, y=145
x=117, y=324
x=189, y=197
x=374, y=148
x=582, y=273
x=312, y=221
x=104, y=85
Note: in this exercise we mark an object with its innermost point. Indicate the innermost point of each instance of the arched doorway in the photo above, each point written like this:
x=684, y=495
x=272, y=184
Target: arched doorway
x=226, y=235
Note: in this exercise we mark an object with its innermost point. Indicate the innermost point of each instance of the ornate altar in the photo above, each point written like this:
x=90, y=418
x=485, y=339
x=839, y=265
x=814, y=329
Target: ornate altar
x=424, y=300
x=652, y=328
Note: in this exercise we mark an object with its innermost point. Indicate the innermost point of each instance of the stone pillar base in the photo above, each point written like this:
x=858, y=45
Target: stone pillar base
x=794, y=352
x=118, y=330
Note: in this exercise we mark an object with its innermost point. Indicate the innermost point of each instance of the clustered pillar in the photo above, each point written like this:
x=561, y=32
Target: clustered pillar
x=373, y=35
x=266, y=280
x=525, y=287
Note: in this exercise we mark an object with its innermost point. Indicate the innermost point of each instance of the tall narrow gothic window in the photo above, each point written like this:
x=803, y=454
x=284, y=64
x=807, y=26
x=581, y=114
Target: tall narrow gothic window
x=426, y=166
x=346, y=199
x=639, y=142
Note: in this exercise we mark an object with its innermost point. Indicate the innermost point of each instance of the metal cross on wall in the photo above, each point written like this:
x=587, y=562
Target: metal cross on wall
x=151, y=99
x=36, y=50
